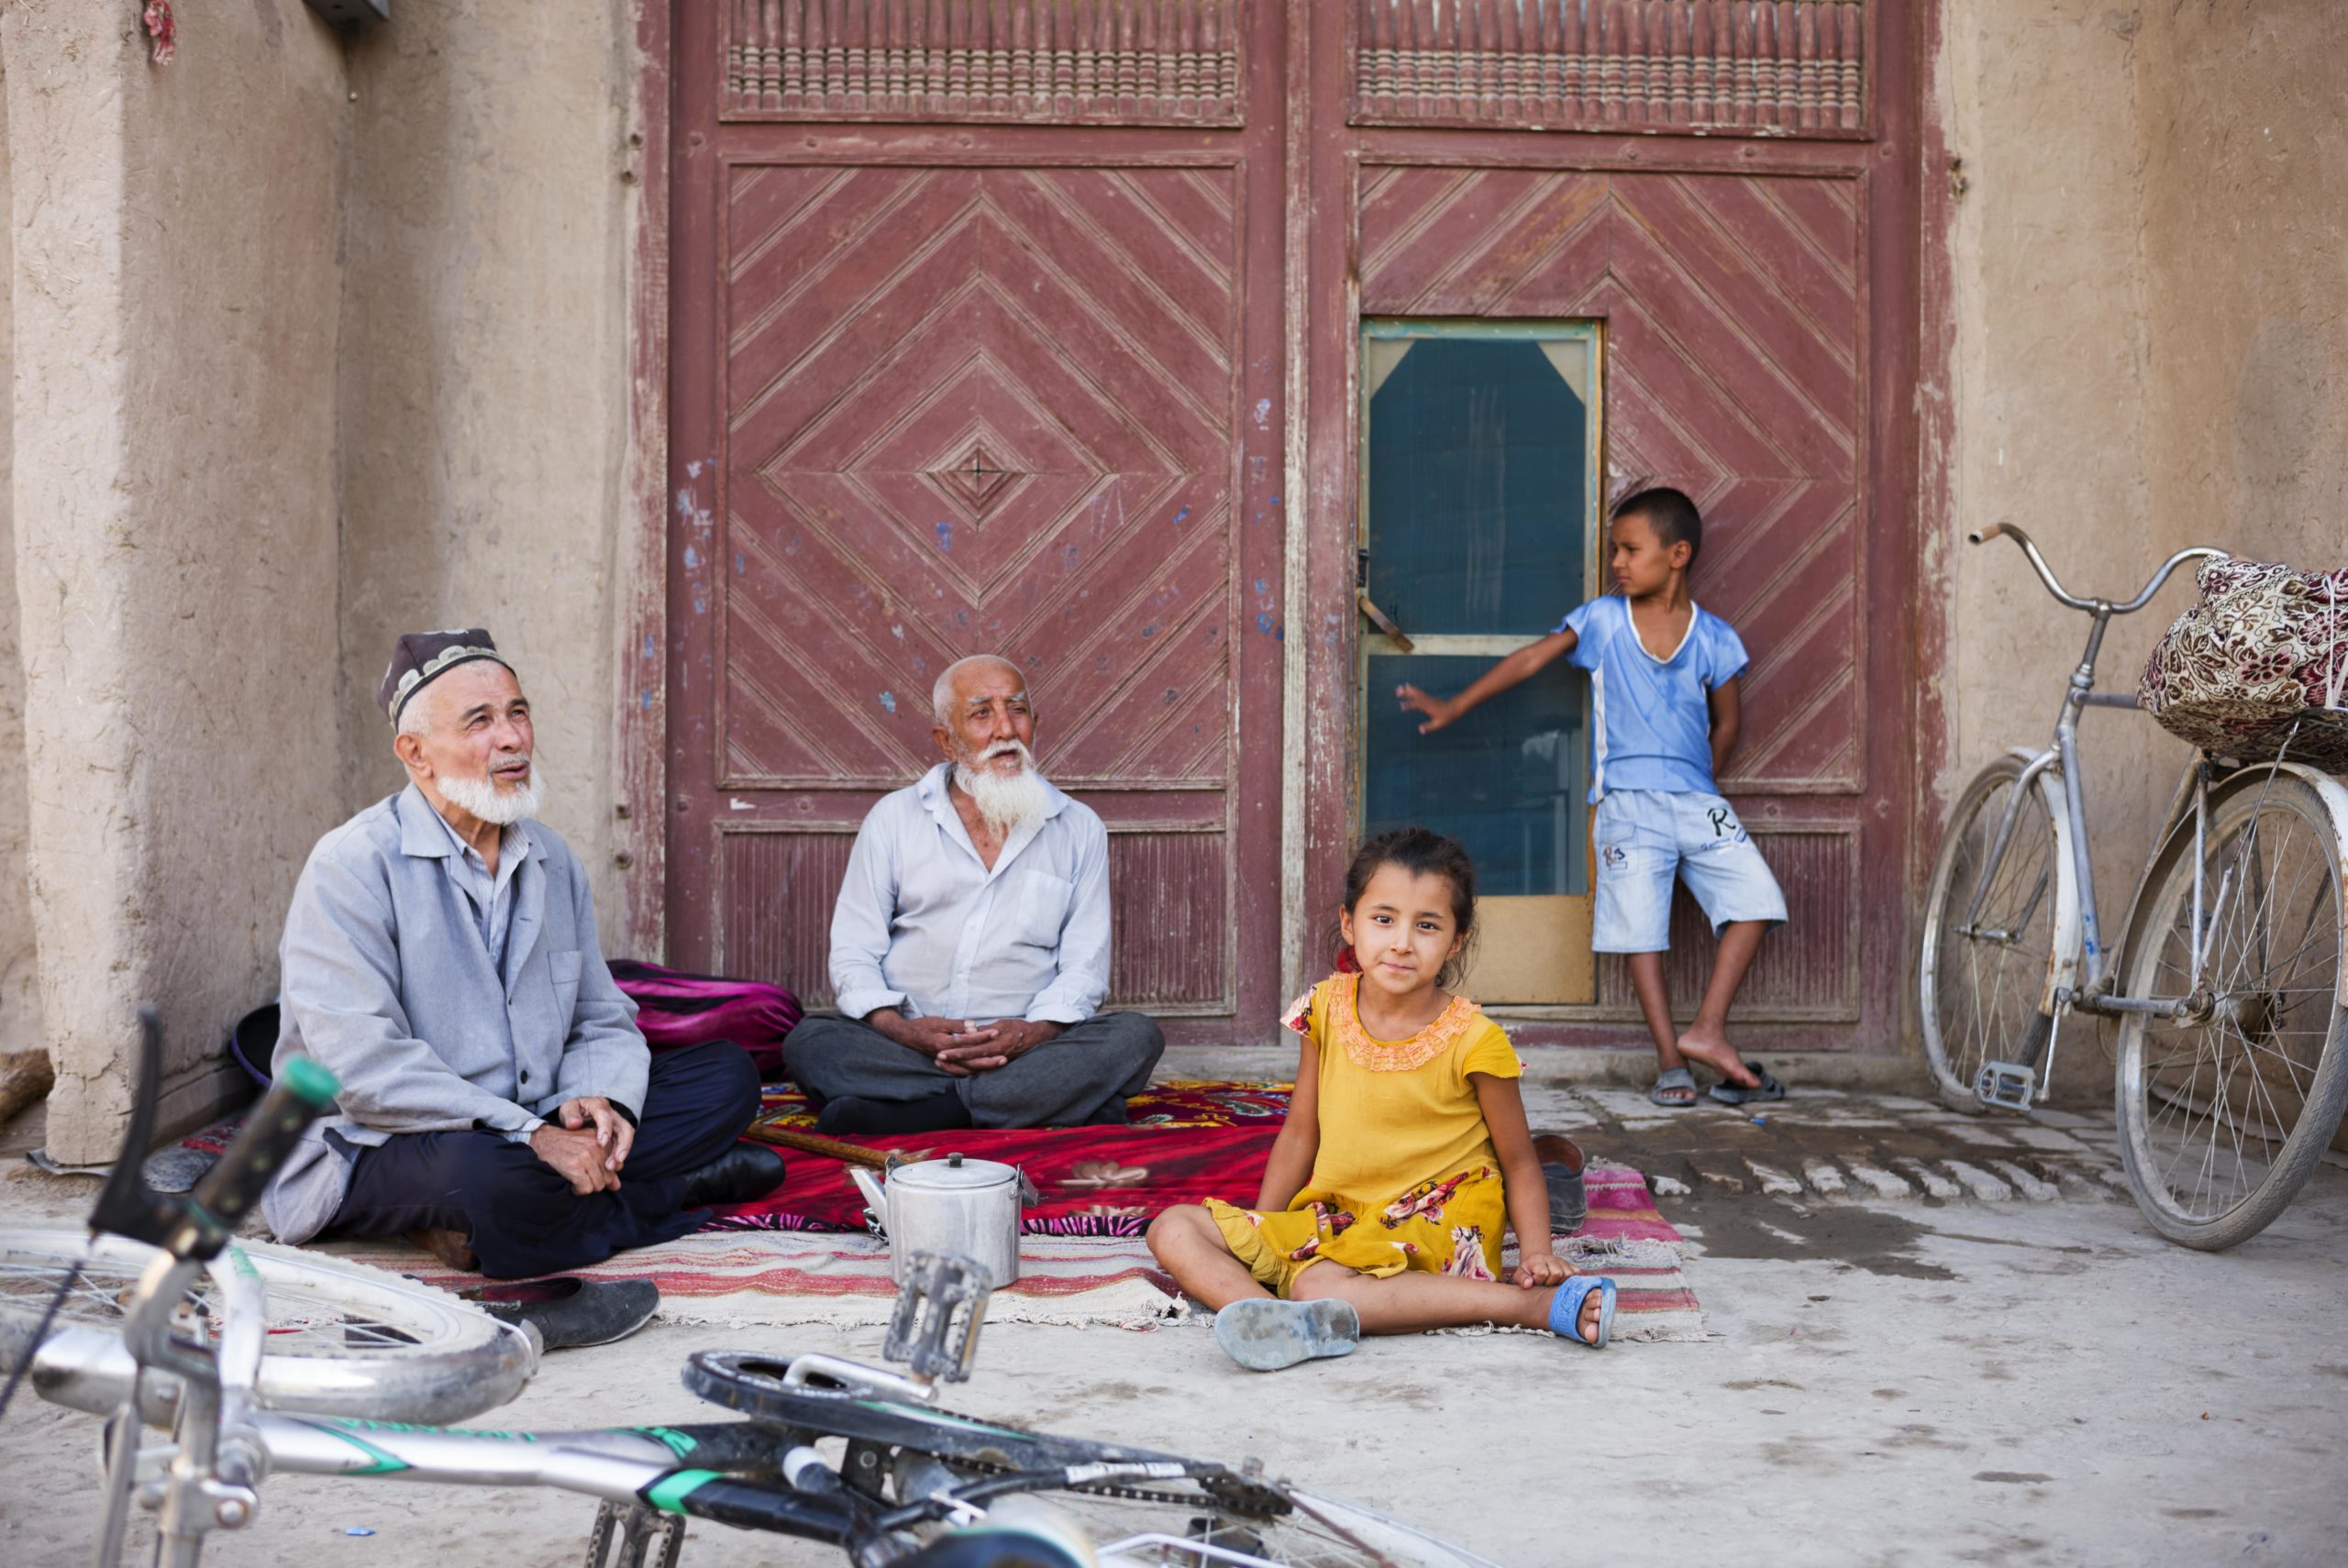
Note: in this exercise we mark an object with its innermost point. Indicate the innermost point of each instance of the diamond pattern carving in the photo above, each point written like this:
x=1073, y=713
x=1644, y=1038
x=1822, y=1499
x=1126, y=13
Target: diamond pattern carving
x=1734, y=309
x=974, y=478
x=978, y=409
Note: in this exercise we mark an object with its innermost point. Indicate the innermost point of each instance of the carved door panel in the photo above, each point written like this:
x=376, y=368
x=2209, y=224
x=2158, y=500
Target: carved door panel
x=954, y=400
x=1735, y=318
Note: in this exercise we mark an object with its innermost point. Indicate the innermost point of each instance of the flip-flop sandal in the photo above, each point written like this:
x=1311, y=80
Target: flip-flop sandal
x=1264, y=1335
x=1565, y=1309
x=1674, y=1078
x=1767, y=1089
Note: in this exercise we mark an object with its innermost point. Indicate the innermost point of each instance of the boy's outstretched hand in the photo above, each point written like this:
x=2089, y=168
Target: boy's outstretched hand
x=1439, y=711
x=1541, y=1268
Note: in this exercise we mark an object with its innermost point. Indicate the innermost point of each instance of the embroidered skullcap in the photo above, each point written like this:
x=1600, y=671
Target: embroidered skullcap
x=421, y=657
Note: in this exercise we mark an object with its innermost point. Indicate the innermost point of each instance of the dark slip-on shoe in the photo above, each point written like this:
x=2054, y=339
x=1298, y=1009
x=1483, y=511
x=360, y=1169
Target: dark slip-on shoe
x=744, y=1172
x=1561, y=1163
x=568, y=1311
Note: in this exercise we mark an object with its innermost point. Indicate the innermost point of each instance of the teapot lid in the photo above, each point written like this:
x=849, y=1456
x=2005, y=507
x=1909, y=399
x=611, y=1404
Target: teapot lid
x=953, y=1173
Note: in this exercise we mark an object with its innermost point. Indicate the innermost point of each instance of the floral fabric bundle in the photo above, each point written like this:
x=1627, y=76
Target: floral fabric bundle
x=2266, y=649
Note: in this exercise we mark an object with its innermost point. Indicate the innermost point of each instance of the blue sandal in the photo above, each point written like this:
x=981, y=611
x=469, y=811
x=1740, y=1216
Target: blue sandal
x=1673, y=1080
x=1565, y=1309
x=1769, y=1088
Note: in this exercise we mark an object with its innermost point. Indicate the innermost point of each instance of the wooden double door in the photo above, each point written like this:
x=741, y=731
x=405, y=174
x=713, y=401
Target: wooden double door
x=999, y=388
x=1038, y=326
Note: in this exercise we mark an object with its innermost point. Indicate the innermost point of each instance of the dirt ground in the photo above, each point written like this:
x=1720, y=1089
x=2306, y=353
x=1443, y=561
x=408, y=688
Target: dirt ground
x=1911, y=1383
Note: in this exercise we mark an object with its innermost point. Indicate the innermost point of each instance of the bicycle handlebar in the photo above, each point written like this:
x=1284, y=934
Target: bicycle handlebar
x=304, y=1091
x=197, y=1226
x=2093, y=606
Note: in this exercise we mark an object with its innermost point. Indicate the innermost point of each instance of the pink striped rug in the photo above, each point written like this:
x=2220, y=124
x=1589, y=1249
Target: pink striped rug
x=753, y=1278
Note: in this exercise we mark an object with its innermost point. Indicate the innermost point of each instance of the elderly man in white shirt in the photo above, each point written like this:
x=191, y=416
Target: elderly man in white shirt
x=970, y=943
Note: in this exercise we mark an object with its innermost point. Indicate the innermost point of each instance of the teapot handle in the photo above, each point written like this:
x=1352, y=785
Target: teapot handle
x=1028, y=1194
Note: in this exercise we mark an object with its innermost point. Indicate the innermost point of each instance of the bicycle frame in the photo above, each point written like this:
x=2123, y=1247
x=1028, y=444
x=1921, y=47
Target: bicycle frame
x=646, y=1476
x=2078, y=935
x=203, y=1382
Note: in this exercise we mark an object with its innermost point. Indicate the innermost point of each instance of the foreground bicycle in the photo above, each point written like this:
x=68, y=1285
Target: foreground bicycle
x=263, y=1359
x=2230, y=982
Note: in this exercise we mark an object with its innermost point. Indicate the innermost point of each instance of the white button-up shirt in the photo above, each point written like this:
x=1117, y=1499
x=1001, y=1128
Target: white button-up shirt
x=491, y=894
x=925, y=926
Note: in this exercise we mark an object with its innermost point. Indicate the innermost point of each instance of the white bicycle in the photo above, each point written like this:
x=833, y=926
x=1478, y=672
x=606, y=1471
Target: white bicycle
x=256, y=1360
x=2229, y=983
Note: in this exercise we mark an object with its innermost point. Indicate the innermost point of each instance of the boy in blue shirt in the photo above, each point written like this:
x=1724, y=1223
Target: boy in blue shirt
x=1663, y=676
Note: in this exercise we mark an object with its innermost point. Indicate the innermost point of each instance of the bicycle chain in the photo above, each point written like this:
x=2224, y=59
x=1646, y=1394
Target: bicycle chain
x=1248, y=1500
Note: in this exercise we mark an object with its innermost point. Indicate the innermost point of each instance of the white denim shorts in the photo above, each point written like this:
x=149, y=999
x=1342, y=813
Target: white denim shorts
x=1645, y=837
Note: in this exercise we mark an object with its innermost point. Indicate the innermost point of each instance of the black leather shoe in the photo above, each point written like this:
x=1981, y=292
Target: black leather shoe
x=744, y=1172
x=570, y=1311
x=1561, y=1163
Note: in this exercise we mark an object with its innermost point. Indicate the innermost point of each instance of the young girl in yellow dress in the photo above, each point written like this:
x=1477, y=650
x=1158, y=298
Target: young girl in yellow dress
x=1404, y=1152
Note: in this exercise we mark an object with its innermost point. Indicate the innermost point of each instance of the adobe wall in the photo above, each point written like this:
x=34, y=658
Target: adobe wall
x=485, y=377
x=2050, y=383
x=2245, y=201
x=175, y=286
x=20, y=954
x=2148, y=349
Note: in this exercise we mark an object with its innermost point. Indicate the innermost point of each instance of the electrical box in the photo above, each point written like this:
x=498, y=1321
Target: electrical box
x=350, y=13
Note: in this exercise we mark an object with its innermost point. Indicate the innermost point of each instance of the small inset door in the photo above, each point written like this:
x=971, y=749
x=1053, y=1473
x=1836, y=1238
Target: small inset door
x=1479, y=515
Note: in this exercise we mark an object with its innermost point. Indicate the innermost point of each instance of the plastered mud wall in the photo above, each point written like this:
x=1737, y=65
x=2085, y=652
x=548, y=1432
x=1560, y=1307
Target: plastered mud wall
x=2149, y=349
x=2245, y=275
x=2050, y=378
x=175, y=286
x=485, y=377
x=19, y=953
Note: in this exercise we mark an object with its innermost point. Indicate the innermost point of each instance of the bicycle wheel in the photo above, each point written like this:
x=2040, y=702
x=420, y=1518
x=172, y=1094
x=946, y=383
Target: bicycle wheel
x=1316, y=1532
x=2224, y=1112
x=344, y=1338
x=1980, y=985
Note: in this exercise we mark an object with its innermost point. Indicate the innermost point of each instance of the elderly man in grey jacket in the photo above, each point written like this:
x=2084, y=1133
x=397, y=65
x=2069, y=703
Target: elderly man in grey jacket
x=498, y=1105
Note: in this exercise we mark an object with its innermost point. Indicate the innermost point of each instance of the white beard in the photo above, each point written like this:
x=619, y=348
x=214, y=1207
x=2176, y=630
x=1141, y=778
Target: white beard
x=500, y=808
x=1007, y=802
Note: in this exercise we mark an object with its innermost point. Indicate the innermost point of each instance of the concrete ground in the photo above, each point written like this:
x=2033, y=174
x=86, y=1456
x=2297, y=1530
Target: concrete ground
x=1910, y=1380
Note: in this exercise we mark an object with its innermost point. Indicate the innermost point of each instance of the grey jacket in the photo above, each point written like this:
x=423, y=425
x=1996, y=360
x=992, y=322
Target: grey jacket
x=385, y=980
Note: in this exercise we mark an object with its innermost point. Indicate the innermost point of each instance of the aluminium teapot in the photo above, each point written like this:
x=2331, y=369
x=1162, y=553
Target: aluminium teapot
x=949, y=1205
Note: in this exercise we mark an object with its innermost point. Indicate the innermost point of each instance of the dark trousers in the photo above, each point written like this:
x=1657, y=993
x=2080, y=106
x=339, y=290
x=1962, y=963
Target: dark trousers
x=1084, y=1073
x=521, y=1216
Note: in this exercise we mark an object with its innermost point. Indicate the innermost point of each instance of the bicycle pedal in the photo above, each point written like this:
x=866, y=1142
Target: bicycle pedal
x=2006, y=1085
x=625, y=1534
x=934, y=1328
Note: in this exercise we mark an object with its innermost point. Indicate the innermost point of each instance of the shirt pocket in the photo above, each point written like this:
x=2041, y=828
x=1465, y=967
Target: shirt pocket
x=564, y=968
x=1032, y=908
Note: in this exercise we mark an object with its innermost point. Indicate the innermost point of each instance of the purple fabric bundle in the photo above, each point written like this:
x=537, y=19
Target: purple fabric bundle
x=677, y=1008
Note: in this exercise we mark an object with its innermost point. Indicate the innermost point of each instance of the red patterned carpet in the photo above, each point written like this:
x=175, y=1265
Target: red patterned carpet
x=1185, y=1141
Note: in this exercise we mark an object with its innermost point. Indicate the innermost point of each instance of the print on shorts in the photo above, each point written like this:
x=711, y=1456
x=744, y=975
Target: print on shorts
x=1726, y=829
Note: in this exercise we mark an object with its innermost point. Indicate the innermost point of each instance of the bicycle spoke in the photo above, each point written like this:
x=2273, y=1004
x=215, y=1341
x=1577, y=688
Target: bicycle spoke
x=2220, y=1101
x=1983, y=982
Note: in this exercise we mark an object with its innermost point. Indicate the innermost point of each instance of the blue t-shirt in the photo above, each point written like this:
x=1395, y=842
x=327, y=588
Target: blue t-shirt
x=1652, y=716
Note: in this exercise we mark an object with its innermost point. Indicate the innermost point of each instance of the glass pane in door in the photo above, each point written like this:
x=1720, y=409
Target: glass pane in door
x=1479, y=502
x=1478, y=459
x=1507, y=780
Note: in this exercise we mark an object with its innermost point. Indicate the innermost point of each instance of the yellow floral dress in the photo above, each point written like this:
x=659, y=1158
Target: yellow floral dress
x=1405, y=1176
